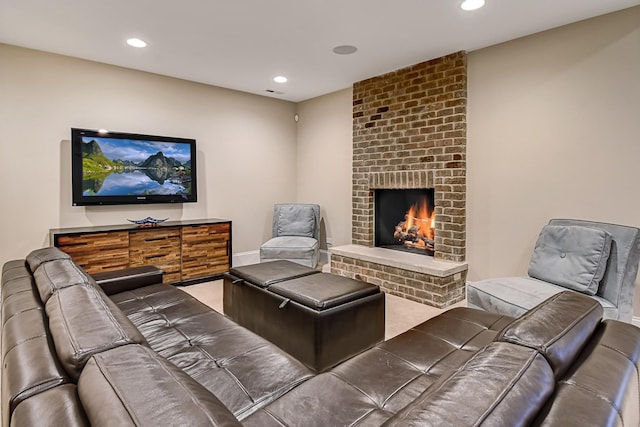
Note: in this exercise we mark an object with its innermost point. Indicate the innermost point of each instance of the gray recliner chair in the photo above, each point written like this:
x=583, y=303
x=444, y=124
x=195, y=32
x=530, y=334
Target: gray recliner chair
x=296, y=233
x=596, y=259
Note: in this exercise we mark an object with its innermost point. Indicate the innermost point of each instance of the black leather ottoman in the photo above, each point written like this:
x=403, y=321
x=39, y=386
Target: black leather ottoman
x=319, y=318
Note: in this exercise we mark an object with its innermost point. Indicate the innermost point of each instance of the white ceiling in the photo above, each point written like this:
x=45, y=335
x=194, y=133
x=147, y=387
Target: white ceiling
x=243, y=44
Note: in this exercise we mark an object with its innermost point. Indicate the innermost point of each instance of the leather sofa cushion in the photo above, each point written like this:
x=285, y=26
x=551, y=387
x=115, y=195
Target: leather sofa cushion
x=134, y=386
x=59, y=274
x=323, y=290
x=30, y=364
x=18, y=293
x=83, y=321
x=44, y=255
x=502, y=384
x=603, y=389
x=374, y=385
x=14, y=269
x=242, y=369
x=265, y=274
x=574, y=257
x=558, y=328
x=59, y=406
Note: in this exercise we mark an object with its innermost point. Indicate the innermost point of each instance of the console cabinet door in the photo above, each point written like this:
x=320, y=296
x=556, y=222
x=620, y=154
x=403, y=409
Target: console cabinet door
x=97, y=252
x=159, y=247
x=185, y=252
x=205, y=250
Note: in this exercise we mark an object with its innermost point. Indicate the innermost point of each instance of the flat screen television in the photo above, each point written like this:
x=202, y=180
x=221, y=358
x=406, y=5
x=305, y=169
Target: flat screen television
x=115, y=168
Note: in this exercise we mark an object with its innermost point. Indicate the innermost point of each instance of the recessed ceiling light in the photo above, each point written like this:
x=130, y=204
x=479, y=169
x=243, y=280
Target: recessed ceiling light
x=345, y=49
x=103, y=131
x=136, y=42
x=280, y=79
x=472, y=4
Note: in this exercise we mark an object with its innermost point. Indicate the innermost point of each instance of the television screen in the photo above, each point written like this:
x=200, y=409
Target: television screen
x=114, y=168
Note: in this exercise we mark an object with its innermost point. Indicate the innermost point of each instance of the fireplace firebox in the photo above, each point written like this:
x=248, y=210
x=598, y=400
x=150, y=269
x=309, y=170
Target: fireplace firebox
x=405, y=220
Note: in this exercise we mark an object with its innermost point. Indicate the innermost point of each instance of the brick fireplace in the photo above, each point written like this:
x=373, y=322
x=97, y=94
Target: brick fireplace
x=409, y=132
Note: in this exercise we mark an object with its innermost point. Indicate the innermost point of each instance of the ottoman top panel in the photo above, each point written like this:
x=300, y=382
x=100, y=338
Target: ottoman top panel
x=323, y=290
x=267, y=273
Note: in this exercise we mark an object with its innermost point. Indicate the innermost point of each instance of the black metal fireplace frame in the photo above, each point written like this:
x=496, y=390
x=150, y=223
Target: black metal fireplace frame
x=390, y=207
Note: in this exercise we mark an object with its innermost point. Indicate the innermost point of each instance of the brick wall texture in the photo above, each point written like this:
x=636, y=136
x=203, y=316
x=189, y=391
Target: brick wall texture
x=435, y=291
x=409, y=131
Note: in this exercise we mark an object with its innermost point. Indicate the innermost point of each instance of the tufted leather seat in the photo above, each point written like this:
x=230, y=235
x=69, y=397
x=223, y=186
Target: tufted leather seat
x=215, y=351
x=373, y=386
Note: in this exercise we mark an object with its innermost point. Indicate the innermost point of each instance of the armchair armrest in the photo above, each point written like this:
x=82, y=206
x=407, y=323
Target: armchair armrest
x=113, y=282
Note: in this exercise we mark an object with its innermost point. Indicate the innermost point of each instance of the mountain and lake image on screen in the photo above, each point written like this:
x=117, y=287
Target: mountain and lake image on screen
x=134, y=167
x=116, y=168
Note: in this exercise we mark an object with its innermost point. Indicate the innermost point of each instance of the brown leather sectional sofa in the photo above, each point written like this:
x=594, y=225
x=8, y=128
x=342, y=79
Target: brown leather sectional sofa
x=147, y=354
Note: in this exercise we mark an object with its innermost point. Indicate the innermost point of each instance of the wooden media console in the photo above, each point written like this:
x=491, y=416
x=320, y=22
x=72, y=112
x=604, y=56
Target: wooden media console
x=187, y=251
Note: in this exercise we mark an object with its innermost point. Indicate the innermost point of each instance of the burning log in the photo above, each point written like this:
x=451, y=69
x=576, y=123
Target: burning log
x=412, y=237
x=416, y=231
x=418, y=246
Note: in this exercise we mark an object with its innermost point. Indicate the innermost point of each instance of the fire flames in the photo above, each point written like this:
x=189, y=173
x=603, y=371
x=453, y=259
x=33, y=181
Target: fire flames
x=416, y=231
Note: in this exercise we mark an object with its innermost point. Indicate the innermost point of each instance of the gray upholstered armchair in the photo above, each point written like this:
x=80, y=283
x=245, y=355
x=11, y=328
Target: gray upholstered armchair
x=593, y=258
x=295, y=231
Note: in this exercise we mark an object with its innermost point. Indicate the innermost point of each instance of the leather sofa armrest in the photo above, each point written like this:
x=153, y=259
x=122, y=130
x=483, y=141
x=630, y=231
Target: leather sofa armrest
x=113, y=282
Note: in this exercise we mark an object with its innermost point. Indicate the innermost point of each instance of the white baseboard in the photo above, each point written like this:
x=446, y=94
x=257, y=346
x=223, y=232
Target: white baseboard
x=245, y=258
x=253, y=257
x=635, y=321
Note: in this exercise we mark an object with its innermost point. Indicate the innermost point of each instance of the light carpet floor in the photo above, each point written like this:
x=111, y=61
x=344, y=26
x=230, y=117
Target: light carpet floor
x=400, y=314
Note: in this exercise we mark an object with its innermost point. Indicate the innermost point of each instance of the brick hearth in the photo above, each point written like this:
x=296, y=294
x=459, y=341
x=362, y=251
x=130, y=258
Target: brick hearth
x=409, y=131
x=412, y=276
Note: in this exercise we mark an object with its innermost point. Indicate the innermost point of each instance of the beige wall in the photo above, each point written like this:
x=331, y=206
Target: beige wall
x=553, y=131
x=324, y=162
x=246, y=146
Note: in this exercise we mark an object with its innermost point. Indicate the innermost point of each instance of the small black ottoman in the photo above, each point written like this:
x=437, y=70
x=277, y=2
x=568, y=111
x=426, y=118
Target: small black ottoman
x=319, y=318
